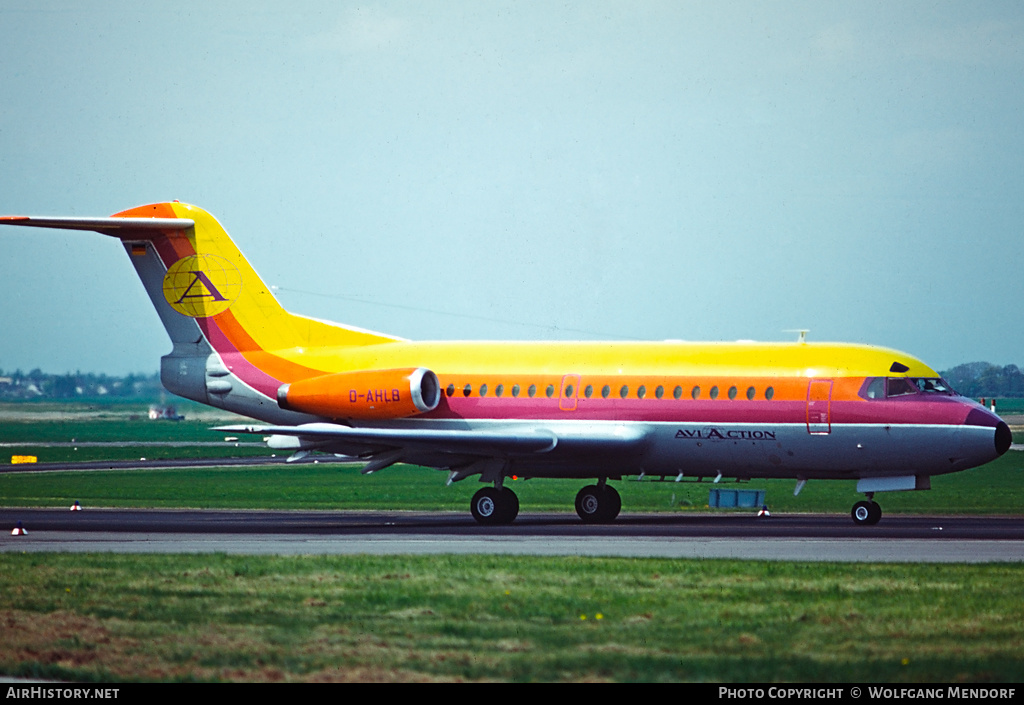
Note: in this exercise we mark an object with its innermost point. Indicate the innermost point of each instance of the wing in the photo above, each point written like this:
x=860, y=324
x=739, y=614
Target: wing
x=451, y=448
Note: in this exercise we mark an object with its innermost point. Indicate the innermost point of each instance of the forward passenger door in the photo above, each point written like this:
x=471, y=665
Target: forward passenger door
x=819, y=406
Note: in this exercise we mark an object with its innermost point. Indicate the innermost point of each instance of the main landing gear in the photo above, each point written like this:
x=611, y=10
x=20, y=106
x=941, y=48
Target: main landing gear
x=498, y=506
x=598, y=504
x=494, y=506
x=866, y=513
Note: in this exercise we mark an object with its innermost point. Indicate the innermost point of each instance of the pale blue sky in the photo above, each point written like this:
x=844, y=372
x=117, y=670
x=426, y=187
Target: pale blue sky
x=643, y=170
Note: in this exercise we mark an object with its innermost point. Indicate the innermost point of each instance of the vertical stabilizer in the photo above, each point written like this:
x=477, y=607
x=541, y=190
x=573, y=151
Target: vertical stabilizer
x=234, y=345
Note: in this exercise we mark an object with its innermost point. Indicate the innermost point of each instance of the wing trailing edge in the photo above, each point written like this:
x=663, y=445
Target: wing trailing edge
x=454, y=441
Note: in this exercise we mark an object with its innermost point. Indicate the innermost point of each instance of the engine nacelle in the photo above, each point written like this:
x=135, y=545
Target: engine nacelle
x=368, y=394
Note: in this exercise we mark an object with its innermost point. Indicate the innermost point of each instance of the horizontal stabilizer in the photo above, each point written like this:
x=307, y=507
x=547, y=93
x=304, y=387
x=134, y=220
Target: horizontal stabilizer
x=107, y=226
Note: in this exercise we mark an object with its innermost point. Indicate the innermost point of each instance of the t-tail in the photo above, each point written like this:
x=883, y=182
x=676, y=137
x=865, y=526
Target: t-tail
x=234, y=346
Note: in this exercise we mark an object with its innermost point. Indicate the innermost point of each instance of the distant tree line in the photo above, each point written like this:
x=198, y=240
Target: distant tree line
x=983, y=379
x=22, y=386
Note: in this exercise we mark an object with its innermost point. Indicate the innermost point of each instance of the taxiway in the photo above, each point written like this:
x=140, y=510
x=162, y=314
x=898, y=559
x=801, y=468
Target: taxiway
x=800, y=537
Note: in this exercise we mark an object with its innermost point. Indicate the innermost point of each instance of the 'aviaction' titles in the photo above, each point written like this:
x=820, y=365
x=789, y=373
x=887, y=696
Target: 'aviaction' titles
x=711, y=433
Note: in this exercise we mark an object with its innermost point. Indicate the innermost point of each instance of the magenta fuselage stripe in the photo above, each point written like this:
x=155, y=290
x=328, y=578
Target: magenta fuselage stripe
x=948, y=411
x=230, y=355
x=235, y=360
x=166, y=251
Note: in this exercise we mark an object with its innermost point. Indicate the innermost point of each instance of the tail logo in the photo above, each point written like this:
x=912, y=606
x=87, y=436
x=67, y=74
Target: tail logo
x=202, y=285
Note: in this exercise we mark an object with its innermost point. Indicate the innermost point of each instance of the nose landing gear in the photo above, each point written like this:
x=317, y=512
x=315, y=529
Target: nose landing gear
x=866, y=513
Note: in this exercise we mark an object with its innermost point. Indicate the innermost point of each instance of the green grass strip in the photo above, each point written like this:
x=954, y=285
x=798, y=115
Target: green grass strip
x=992, y=489
x=217, y=617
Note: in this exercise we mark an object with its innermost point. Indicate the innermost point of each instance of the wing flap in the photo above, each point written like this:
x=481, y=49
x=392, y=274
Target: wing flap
x=455, y=441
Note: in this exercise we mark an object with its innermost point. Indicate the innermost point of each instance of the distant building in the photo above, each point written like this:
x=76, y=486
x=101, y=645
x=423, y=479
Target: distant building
x=167, y=413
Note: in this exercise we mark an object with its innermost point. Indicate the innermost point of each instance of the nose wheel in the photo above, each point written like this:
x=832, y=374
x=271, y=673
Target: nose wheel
x=866, y=513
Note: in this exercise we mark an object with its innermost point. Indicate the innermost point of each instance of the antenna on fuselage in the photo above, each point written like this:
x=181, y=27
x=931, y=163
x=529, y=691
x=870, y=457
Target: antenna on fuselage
x=802, y=331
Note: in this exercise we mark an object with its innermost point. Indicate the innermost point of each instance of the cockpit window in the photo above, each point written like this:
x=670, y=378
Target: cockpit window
x=874, y=389
x=933, y=385
x=898, y=386
x=888, y=387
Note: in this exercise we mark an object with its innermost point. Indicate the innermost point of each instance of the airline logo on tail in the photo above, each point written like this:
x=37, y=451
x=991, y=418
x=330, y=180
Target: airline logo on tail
x=202, y=285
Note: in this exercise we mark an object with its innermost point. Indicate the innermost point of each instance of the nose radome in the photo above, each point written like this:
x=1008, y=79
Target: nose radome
x=983, y=417
x=1004, y=437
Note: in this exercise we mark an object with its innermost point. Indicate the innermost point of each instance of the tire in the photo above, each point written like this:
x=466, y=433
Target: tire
x=614, y=504
x=588, y=504
x=876, y=514
x=491, y=506
x=512, y=505
x=866, y=513
x=597, y=506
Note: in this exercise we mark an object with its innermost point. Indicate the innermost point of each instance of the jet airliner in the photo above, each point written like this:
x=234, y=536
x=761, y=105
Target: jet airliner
x=585, y=410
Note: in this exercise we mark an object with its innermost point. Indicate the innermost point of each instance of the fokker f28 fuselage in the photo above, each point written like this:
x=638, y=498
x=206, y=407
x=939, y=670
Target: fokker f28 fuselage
x=574, y=410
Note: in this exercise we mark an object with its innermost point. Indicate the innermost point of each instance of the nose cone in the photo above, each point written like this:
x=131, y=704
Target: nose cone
x=982, y=417
x=1003, y=438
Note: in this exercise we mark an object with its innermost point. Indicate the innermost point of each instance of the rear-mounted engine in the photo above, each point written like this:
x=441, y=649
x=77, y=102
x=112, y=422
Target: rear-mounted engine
x=369, y=394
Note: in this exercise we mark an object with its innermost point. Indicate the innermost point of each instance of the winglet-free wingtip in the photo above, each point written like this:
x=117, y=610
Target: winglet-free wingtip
x=13, y=218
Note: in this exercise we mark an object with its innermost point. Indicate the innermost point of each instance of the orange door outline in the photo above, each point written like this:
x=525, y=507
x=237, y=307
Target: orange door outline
x=819, y=406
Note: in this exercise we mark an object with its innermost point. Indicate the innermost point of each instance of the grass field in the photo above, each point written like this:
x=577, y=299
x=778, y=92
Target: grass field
x=109, y=617
x=408, y=618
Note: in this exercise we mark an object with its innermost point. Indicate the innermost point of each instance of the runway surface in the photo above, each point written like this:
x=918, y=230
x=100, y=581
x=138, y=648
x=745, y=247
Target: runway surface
x=781, y=537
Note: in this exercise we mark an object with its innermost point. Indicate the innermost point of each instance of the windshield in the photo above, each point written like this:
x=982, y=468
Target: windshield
x=933, y=385
x=898, y=386
x=889, y=387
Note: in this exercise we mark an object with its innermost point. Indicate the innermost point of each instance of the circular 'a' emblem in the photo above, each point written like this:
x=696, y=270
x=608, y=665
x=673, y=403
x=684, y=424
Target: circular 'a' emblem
x=202, y=285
